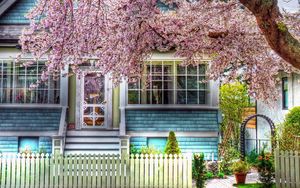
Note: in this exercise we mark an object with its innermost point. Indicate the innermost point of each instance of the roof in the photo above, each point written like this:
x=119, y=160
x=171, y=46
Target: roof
x=5, y=4
x=12, y=19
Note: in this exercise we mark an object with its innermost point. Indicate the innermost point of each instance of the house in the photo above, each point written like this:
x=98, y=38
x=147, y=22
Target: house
x=289, y=97
x=89, y=115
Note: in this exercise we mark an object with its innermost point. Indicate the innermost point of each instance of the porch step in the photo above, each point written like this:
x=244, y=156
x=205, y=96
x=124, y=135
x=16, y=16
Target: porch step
x=92, y=142
x=96, y=133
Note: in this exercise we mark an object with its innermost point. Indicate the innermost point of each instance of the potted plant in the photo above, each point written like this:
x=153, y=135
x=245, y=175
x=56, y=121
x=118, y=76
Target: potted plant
x=240, y=169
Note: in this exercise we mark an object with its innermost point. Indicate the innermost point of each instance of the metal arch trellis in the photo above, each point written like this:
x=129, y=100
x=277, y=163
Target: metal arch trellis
x=243, y=129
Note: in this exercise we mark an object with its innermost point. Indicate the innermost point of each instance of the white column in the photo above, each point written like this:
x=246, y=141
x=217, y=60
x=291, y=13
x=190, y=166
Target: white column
x=213, y=99
x=122, y=108
x=64, y=80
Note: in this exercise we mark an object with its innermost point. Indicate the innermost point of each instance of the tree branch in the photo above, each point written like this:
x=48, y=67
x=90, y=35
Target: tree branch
x=279, y=38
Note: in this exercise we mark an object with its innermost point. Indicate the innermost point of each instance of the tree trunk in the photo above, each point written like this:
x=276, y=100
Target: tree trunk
x=279, y=38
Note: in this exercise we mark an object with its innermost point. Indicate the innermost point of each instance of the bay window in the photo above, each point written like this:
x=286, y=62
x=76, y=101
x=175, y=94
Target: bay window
x=168, y=82
x=15, y=81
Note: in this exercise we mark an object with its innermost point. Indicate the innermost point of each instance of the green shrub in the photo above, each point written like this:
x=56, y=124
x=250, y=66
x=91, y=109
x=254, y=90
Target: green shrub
x=265, y=167
x=290, y=129
x=172, y=144
x=226, y=162
x=209, y=175
x=133, y=149
x=198, y=170
x=251, y=158
x=149, y=150
x=240, y=167
x=221, y=175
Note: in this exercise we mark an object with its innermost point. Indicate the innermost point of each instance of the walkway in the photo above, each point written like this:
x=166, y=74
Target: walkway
x=229, y=181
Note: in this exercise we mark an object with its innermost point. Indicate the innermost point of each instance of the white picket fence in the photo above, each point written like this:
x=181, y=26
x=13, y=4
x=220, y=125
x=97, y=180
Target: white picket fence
x=91, y=171
x=287, y=169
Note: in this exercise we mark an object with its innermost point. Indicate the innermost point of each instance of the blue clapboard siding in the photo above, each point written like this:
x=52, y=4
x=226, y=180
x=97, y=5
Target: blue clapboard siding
x=8, y=144
x=45, y=143
x=172, y=120
x=15, y=14
x=207, y=145
x=24, y=119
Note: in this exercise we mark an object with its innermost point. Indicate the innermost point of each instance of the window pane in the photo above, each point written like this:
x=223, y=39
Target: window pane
x=133, y=97
x=19, y=96
x=192, y=82
x=202, y=68
x=168, y=82
x=202, y=84
x=31, y=96
x=202, y=97
x=180, y=69
x=168, y=97
x=181, y=98
x=157, y=96
x=168, y=69
x=181, y=82
x=191, y=69
x=157, y=85
x=156, y=69
x=192, y=97
x=28, y=145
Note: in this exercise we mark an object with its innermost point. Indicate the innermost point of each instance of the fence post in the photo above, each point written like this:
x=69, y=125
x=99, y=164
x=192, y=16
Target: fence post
x=297, y=165
x=277, y=167
x=189, y=175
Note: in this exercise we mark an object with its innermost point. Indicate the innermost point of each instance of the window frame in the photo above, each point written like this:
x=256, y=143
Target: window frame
x=175, y=63
x=25, y=87
x=285, y=93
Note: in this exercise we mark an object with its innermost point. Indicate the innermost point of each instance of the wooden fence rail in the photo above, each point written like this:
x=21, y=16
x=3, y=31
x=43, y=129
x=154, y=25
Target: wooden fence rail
x=91, y=171
x=287, y=169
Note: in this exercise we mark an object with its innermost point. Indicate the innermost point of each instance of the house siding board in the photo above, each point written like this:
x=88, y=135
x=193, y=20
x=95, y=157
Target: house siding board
x=29, y=119
x=46, y=144
x=16, y=13
x=185, y=120
x=8, y=144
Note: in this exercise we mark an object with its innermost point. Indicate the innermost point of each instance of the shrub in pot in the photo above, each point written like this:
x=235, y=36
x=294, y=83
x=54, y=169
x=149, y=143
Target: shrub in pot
x=240, y=169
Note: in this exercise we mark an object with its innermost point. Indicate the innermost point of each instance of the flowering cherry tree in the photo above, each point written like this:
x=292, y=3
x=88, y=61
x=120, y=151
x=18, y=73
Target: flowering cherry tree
x=248, y=39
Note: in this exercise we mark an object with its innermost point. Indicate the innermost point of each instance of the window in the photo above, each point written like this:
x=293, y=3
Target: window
x=28, y=145
x=15, y=81
x=168, y=82
x=157, y=143
x=285, y=95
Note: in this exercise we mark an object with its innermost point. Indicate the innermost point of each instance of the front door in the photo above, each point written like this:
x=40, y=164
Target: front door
x=94, y=106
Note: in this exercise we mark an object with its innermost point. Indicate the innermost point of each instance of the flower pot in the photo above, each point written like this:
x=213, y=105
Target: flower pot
x=240, y=178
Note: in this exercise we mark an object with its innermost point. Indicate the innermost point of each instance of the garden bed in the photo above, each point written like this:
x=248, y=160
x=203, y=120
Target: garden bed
x=251, y=185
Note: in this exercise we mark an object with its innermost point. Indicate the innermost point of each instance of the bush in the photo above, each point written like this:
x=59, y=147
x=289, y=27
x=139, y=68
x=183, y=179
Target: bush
x=209, y=175
x=149, y=150
x=221, y=175
x=265, y=167
x=172, y=144
x=230, y=155
x=134, y=150
x=212, y=166
x=199, y=170
x=251, y=158
x=291, y=128
x=240, y=167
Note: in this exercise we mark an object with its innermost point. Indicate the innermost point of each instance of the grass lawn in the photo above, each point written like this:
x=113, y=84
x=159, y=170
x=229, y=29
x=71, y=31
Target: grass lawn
x=252, y=185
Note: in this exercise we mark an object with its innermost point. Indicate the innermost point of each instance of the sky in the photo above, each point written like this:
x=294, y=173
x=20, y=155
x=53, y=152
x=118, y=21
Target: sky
x=289, y=5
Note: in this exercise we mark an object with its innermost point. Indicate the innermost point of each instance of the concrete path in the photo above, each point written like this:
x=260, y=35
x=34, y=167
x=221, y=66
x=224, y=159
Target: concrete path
x=230, y=180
